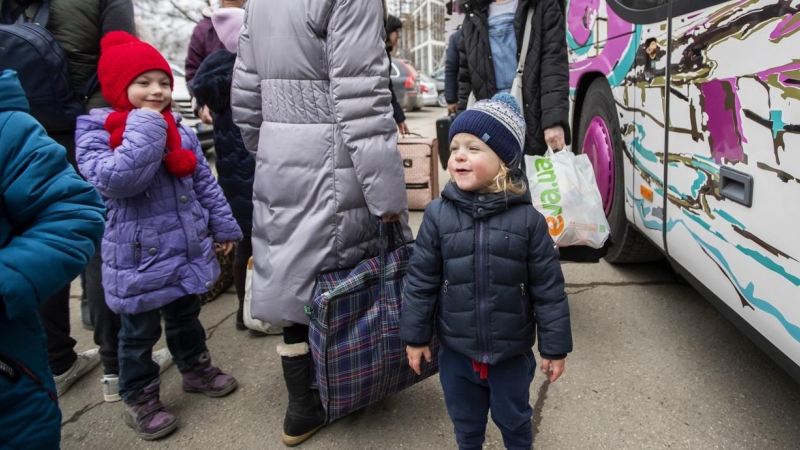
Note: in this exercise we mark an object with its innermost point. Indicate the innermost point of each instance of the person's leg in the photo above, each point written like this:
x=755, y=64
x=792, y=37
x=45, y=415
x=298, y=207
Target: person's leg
x=86, y=309
x=67, y=366
x=139, y=384
x=107, y=323
x=466, y=397
x=244, y=250
x=54, y=313
x=305, y=414
x=138, y=334
x=509, y=385
x=186, y=339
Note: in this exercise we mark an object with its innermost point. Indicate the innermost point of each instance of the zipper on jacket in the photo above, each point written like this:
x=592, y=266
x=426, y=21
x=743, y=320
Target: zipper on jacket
x=446, y=283
x=137, y=246
x=523, y=298
x=480, y=288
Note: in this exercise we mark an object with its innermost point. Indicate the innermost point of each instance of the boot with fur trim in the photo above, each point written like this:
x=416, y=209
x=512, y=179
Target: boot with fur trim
x=304, y=415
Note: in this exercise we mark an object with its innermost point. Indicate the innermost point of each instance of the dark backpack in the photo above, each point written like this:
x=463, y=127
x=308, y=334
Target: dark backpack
x=30, y=50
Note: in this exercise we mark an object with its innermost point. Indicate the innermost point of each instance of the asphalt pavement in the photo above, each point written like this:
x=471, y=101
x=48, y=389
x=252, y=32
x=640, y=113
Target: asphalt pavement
x=655, y=366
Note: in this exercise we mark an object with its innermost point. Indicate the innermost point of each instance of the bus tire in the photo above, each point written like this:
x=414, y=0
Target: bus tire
x=599, y=133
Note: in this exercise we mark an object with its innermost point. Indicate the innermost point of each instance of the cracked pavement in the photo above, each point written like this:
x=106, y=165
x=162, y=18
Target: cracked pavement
x=654, y=366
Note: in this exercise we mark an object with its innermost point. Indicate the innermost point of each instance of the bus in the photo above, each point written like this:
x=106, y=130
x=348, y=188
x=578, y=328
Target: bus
x=689, y=111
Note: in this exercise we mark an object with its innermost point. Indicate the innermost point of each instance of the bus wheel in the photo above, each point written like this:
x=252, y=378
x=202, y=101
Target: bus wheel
x=600, y=139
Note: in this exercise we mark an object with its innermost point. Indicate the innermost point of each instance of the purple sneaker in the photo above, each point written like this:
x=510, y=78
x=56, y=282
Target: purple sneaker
x=148, y=416
x=208, y=379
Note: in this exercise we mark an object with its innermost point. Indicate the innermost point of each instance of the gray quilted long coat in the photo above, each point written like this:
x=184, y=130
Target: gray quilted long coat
x=311, y=97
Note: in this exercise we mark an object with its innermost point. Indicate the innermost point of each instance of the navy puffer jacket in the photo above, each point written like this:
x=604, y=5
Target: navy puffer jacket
x=235, y=166
x=485, y=271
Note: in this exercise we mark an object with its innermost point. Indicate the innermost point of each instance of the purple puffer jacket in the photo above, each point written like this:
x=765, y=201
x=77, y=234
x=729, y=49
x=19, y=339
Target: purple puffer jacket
x=157, y=245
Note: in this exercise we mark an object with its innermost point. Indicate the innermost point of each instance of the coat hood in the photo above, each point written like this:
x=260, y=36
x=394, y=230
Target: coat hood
x=228, y=24
x=481, y=206
x=12, y=97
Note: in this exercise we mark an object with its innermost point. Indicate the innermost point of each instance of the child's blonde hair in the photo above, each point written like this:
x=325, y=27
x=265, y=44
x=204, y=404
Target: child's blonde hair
x=502, y=182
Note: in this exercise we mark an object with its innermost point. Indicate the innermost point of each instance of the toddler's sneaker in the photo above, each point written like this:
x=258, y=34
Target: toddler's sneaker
x=111, y=381
x=208, y=379
x=110, y=388
x=148, y=416
x=85, y=362
x=163, y=358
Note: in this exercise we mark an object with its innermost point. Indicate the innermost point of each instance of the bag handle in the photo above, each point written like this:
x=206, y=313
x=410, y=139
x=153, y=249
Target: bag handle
x=526, y=40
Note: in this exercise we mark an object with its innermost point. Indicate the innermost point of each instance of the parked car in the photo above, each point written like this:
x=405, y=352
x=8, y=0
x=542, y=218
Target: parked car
x=183, y=105
x=438, y=77
x=427, y=87
x=405, y=81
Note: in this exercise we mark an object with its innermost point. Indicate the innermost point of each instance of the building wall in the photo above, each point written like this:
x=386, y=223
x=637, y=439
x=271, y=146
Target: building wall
x=427, y=25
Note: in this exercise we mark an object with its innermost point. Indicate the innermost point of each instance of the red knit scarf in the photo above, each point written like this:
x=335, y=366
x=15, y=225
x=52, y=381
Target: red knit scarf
x=179, y=161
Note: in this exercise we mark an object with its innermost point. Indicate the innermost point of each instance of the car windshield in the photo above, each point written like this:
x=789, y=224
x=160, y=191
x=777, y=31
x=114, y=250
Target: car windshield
x=177, y=70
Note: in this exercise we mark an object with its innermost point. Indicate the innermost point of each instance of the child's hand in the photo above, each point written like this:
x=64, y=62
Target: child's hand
x=415, y=357
x=225, y=247
x=389, y=218
x=557, y=367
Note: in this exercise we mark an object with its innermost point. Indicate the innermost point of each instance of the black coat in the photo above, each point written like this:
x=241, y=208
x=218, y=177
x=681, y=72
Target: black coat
x=451, y=67
x=399, y=115
x=235, y=166
x=484, y=270
x=545, y=79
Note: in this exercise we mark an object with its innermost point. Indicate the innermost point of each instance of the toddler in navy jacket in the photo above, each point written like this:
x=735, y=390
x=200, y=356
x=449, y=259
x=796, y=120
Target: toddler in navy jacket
x=485, y=273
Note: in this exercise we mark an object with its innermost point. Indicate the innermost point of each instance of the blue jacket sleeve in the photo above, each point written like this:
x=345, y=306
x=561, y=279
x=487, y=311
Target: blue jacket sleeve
x=57, y=217
x=451, y=67
x=547, y=293
x=421, y=293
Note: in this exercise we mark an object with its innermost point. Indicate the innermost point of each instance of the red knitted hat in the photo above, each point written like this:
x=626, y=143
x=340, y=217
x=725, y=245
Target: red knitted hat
x=123, y=57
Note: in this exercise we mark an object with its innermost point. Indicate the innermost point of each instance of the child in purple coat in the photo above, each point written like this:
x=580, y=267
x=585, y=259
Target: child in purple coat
x=166, y=215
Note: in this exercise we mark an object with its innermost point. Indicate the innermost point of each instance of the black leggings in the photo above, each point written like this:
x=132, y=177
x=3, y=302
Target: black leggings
x=244, y=250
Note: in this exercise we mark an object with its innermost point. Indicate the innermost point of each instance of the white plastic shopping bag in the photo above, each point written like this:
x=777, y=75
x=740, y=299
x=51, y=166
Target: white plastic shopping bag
x=249, y=321
x=564, y=190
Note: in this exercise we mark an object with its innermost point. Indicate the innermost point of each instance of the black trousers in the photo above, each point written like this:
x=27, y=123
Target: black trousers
x=54, y=314
x=106, y=323
x=295, y=334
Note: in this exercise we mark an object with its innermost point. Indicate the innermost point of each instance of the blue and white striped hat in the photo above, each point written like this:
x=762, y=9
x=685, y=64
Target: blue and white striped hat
x=498, y=123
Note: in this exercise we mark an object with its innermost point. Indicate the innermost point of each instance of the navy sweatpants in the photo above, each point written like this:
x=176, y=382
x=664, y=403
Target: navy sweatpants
x=506, y=392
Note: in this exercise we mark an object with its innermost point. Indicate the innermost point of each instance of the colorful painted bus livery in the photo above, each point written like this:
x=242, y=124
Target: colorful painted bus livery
x=690, y=113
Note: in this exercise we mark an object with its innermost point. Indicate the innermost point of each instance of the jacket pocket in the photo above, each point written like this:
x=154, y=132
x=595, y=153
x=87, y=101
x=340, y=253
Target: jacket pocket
x=147, y=248
x=202, y=218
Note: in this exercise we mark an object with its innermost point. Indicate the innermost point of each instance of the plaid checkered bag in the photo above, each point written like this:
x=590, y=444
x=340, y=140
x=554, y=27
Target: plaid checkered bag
x=355, y=337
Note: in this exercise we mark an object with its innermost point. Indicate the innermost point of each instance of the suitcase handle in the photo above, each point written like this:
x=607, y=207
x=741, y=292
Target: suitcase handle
x=412, y=134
